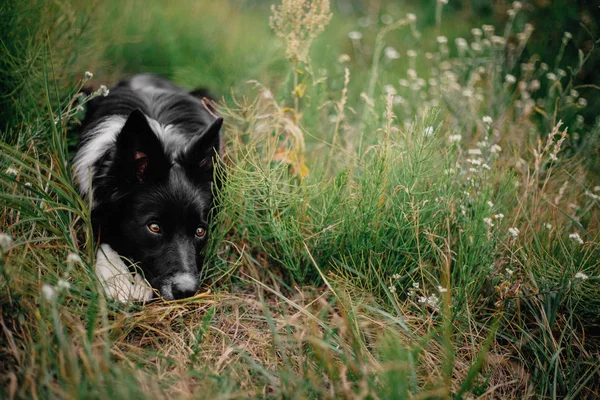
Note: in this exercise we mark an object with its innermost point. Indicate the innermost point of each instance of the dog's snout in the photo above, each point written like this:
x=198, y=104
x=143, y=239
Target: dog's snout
x=184, y=285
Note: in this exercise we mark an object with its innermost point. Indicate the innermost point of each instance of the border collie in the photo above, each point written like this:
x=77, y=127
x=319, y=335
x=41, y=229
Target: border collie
x=146, y=163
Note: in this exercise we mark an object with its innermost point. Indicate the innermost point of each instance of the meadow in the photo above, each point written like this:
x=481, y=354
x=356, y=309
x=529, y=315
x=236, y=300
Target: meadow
x=410, y=209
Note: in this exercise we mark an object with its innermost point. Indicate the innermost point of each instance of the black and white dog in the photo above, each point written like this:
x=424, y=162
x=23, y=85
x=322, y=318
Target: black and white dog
x=146, y=163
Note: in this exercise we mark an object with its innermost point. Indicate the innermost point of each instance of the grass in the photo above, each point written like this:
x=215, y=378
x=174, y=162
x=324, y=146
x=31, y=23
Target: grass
x=377, y=237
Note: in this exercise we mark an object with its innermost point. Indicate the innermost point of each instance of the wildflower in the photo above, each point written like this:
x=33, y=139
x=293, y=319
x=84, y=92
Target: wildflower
x=548, y=226
x=455, y=138
x=396, y=276
x=411, y=292
x=422, y=299
x=475, y=46
x=103, y=91
x=411, y=53
x=581, y=102
x=581, y=275
x=411, y=17
x=488, y=29
x=48, y=292
x=509, y=271
x=5, y=242
x=449, y=171
x=443, y=1
x=487, y=120
x=461, y=43
x=344, y=58
x=511, y=12
x=355, y=35
x=391, y=53
x=495, y=149
x=392, y=288
x=11, y=171
x=88, y=75
x=62, y=284
x=510, y=79
x=442, y=39
x=574, y=93
x=442, y=289
x=428, y=131
x=488, y=221
x=596, y=188
x=575, y=236
x=433, y=301
x=266, y=94
x=474, y=152
x=415, y=285
x=514, y=232
x=489, y=203
x=498, y=40
x=476, y=32
x=28, y=184
x=567, y=36
x=475, y=161
x=551, y=76
x=399, y=100
x=517, y=5
x=73, y=258
x=498, y=216
x=389, y=89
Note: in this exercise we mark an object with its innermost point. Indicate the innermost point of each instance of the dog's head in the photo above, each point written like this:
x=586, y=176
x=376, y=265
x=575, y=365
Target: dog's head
x=164, y=202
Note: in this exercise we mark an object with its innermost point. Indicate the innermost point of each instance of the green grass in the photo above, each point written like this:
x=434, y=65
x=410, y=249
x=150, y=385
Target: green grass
x=362, y=248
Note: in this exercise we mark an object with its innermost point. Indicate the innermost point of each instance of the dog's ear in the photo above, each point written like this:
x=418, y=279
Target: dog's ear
x=140, y=154
x=199, y=157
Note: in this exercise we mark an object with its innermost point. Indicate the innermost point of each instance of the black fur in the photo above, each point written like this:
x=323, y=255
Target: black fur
x=143, y=178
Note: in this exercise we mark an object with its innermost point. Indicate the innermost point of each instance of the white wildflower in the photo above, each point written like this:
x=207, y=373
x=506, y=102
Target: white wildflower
x=476, y=32
x=474, y=161
x=495, y=149
x=344, y=58
x=442, y=289
x=581, y=275
x=514, y=232
x=103, y=91
x=548, y=226
x=355, y=35
x=396, y=276
x=474, y=152
x=428, y=131
x=422, y=299
x=575, y=236
x=411, y=53
x=487, y=120
x=392, y=288
x=389, y=89
x=455, y=138
x=488, y=221
x=411, y=17
x=11, y=171
x=517, y=5
x=63, y=284
x=48, y=292
x=567, y=36
x=461, y=43
x=581, y=102
x=391, y=53
x=442, y=39
x=509, y=271
x=510, y=79
x=489, y=203
x=449, y=171
x=88, y=75
x=498, y=216
x=5, y=242
x=551, y=76
x=73, y=258
x=415, y=285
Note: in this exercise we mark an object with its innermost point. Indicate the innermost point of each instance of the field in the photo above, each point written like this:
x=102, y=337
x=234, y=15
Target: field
x=411, y=207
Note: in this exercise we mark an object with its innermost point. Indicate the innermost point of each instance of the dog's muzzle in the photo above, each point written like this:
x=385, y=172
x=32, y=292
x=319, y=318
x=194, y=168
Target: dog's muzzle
x=180, y=286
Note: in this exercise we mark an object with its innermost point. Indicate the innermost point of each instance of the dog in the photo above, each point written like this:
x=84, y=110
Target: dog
x=146, y=164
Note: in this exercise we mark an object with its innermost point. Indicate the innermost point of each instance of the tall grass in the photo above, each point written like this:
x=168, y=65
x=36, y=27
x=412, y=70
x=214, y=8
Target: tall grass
x=425, y=231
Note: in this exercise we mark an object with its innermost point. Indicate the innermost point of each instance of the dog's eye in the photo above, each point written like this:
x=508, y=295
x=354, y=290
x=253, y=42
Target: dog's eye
x=154, y=228
x=200, y=232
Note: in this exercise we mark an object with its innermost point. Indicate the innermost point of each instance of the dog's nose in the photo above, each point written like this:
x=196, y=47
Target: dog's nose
x=184, y=285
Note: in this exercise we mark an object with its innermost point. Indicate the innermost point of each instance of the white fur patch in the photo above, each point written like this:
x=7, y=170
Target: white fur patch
x=102, y=137
x=117, y=280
